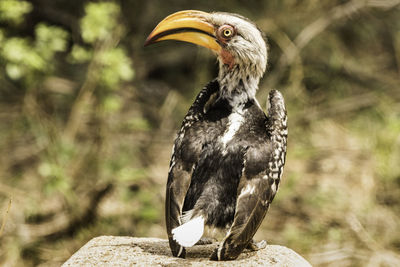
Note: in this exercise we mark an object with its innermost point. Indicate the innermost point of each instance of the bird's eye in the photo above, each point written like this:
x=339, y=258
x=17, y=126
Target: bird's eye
x=226, y=32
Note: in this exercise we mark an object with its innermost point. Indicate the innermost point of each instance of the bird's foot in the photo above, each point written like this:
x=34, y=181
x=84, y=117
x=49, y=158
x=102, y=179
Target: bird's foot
x=205, y=241
x=176, y=249
x=254, y=246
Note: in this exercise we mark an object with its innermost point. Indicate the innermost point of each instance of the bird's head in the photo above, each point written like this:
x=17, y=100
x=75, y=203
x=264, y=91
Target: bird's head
x=239, y=44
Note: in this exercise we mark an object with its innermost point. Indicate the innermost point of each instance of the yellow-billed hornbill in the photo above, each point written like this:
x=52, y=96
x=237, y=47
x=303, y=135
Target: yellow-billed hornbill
x=228, y=156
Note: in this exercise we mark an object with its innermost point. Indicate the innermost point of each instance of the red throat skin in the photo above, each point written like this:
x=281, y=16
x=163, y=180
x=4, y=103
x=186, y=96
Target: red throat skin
x=227, y=58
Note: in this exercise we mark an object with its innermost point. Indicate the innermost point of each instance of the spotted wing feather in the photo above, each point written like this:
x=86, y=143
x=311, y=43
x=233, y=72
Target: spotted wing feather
x=180, y=171
x=257, y=188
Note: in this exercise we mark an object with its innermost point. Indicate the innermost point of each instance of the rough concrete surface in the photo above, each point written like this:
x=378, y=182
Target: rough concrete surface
x=132, y=251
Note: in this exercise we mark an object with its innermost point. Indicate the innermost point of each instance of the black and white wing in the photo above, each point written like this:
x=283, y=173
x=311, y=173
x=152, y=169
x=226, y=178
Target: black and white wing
x=261, y=174
x=181, y=167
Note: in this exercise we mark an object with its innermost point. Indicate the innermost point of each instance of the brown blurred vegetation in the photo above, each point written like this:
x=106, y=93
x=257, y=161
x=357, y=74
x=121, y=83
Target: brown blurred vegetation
x=88, y=117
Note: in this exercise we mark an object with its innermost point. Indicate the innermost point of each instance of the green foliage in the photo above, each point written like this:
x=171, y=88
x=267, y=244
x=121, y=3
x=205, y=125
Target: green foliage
x=100, y=21
x=50, y=39
x=20, y=58
x=24, y=57
x=116, y=67
x=80, y=54
x=129, y=174
x=99, y=27
x=13, y=11
x=112, y=104
x=138, y=124
x=67, y=171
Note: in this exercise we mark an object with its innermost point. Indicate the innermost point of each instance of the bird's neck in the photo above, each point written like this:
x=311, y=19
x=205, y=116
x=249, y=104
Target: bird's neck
x=237, y=84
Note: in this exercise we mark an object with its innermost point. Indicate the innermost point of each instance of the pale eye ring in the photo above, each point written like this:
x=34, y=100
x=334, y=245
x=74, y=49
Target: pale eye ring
x=226, y=32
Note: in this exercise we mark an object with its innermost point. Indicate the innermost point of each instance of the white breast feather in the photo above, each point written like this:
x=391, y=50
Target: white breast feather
x=235, y=121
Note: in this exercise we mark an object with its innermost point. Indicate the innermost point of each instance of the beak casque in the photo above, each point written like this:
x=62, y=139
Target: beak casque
x=187, y=26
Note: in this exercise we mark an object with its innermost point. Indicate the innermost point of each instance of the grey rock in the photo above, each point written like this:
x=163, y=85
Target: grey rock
x=132, y=251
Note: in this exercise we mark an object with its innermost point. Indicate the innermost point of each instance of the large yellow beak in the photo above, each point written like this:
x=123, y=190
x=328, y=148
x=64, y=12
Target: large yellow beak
x=188, y=26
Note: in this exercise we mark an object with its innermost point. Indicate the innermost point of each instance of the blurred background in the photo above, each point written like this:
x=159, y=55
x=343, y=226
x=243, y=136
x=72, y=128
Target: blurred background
x=88, y=117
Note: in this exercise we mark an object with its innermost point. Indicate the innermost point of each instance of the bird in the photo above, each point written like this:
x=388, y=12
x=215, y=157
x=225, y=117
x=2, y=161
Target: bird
x=228, y=157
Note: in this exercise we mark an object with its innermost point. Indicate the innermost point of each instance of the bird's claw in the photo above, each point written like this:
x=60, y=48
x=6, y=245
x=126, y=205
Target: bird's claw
x=204, y=241
x=254, y=246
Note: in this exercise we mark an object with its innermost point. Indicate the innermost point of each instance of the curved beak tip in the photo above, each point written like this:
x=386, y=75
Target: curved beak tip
x=150, y=39
x=147, y=42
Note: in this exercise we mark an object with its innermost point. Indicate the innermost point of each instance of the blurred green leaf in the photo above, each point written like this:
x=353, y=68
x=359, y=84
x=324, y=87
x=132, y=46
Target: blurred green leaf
x=2, y=37
x=116, y=67
x=55, y=178
x=20, y=57
x=149, y=214
x=131, y=174
x=138, y=124
x=45, y=169
x=50, y=39
x=112, y=104
x=14, y=10
x=99, y=21
x=14, y=71
x=23, y=58
x=80, y=54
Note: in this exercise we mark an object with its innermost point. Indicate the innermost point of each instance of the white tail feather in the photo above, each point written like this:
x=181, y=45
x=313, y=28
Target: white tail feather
x=189, y=233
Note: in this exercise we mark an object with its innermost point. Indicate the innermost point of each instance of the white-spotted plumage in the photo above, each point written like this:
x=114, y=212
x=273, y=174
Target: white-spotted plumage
x=249, y=189
x=190, y=232
x=235, y=121
x=273, y=188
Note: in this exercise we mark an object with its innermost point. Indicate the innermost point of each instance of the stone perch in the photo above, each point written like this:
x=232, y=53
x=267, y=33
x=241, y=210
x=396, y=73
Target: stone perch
x=132, y=251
